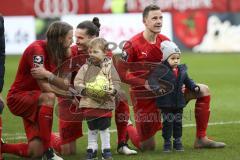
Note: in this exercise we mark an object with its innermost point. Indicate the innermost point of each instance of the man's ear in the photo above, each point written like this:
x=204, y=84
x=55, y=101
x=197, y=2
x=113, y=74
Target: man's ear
x=91, y=37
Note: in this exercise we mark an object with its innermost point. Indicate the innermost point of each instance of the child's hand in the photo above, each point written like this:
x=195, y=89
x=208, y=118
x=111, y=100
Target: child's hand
x=84, y=93
x=146, y=85
x=112, y=92
x=161, y=91
x=183, y=88
x=197, y=89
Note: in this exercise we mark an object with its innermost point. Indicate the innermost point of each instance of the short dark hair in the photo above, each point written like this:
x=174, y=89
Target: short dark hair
x=151, y=7
x=93, y=27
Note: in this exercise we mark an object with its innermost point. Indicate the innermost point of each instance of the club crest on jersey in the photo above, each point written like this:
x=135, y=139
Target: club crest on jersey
x=124, y=55
x=37, y=60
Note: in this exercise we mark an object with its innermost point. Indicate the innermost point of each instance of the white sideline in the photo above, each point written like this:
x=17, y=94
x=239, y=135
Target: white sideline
x=21, y=136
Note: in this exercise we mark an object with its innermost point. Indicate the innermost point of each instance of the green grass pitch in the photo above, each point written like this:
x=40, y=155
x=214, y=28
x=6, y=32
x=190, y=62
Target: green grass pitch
x=219, y=71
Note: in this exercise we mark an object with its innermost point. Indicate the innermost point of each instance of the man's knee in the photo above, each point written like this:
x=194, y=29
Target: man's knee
x=69, y=148
x=148, y=144
x=47, y=99
x=204, y=90
x=35, y=149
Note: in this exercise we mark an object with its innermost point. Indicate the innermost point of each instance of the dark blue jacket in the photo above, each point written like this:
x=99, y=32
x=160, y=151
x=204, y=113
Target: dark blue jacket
x=174, y=99
x=2, y=53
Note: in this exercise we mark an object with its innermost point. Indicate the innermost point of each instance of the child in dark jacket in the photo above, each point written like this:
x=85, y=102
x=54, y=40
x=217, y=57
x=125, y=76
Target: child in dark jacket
x=171, y=104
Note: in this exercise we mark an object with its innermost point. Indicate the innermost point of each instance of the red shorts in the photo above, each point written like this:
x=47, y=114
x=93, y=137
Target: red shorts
x=70, y=121
x=147, y=117
x=25, y=105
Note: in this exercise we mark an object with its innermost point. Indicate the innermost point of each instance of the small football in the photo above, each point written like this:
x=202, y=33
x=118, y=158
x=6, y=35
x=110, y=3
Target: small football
x=97, y=88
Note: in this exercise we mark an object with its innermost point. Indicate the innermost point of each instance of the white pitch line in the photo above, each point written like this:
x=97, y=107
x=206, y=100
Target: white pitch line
x=213, y=123
x=21, y=136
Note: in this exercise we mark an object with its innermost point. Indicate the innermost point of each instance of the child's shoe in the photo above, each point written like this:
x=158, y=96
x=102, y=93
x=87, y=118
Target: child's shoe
x=107, y=155
x=167, y=146
x=177, y=145
x=91, y=155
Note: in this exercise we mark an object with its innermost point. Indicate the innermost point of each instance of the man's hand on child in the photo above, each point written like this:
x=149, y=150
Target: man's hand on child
x=161, y=91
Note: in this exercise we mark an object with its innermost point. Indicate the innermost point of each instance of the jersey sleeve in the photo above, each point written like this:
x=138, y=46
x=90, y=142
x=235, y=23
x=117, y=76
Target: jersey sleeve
x=35, y=56
x=128, y=52
x=190, y=84
x=127, y=63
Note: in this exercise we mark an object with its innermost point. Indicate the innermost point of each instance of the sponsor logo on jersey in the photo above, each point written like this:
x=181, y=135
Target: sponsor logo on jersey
x=124, y=55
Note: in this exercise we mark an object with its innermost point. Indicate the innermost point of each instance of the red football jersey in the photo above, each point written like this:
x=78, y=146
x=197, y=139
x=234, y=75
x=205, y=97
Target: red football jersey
x=35, y=54
x=138, y=49
x=141, y=56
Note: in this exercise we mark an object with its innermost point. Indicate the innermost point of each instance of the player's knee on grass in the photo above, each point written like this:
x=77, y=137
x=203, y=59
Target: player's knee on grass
x=69, y=148
x=35, y=148
x=148, y=144
x=204, y=90
x=47, y=99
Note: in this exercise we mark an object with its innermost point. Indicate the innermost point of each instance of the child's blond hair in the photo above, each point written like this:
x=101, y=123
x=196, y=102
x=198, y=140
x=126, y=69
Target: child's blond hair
x=100, y=43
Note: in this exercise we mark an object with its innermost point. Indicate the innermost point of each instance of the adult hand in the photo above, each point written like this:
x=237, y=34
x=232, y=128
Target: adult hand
x=40, y=73
x=147, y=86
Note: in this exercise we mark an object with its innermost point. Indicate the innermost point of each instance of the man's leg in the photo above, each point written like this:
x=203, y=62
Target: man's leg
x=202, y=113
x=32, y=149
x=133, y=135
x=28, y=108
x=69, y=148
x=45, y=120
x=45, y=117
x=136, y=139
x=148, y=122
x=70, y=128
x=121, y=119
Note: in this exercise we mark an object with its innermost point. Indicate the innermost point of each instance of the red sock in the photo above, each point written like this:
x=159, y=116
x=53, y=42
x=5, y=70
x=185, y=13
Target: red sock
x=133, y=136
x=202, y=112
x=45, y=119
x=121, y=119
x=56, y=142
x=20, y=149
